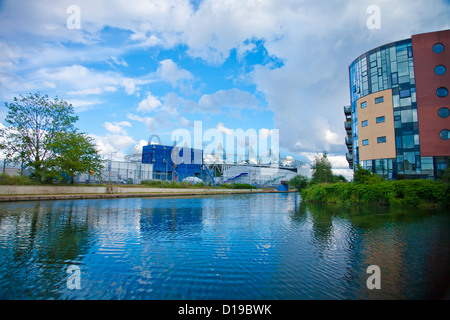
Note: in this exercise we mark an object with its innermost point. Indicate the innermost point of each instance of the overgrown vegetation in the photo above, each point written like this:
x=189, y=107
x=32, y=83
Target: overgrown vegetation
x=5, y=179
x=371, y=189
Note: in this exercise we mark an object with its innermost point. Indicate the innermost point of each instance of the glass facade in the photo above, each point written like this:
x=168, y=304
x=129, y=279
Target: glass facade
x=389, y=67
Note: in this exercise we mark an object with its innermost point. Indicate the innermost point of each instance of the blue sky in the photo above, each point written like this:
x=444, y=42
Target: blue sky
x=142, y=67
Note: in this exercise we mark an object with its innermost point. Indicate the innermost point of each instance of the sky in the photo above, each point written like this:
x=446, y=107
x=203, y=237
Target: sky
x=140, y=67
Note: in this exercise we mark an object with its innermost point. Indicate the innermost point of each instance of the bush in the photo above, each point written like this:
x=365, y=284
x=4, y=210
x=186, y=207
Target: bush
x=405, y=193
x=299, y=182
x=6, y=179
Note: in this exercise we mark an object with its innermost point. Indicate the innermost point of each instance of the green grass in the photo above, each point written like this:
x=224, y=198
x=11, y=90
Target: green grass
x=6, y=179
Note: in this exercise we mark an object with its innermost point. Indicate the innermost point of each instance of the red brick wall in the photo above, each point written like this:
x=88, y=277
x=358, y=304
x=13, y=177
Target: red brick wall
x=427, y=82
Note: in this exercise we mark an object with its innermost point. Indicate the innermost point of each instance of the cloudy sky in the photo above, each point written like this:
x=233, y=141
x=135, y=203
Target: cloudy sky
x=140, y=67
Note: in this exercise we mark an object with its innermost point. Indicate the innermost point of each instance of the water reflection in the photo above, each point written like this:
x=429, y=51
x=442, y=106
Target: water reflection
x=260, y=246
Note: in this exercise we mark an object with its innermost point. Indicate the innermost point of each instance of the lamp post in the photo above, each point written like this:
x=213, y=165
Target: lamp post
x=110, y=164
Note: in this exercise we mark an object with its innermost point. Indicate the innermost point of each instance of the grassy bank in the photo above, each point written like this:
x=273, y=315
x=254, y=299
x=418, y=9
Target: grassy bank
x=405, y=193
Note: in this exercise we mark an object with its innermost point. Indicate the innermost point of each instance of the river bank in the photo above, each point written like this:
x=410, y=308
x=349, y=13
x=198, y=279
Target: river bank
x=30, y=193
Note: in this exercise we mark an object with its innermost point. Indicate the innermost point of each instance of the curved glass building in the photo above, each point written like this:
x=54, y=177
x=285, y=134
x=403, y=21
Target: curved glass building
x=398, y=122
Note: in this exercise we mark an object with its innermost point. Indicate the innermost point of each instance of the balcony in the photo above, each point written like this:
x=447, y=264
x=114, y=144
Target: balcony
x=347, y=110
x=348, y=125
x=349, y=157
x=348, y=141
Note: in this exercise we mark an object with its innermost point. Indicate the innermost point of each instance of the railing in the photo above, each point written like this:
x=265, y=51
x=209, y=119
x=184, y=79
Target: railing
x=348, y=141
x=347, y=110
x=348, y=125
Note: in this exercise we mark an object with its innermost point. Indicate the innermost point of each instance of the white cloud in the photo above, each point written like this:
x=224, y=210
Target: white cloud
x=169, y=71
x=224, y=129
x=113, y=144
x=117, y=127
x=149, y=122
x=120, y=62
x=149, y=104
x=233, y=98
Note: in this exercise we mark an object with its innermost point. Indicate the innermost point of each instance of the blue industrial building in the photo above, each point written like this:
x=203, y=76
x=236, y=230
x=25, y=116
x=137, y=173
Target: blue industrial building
x=164, y=167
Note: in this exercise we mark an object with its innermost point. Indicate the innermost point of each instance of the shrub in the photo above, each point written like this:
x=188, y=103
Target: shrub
x=405, y=193
x=6, y=179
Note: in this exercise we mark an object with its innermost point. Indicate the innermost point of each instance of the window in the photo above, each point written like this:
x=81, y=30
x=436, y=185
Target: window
x=381, y=119
x=405, y=93
x=379, y=100
x=442, y=92
x=408, y=141
x=364, y=123
x=440, y=70
x=365, y=142
x=443, y=112
x=363, y=104
x=381, y=139
x=394, y=78
x=438, y=48
x=444, y=134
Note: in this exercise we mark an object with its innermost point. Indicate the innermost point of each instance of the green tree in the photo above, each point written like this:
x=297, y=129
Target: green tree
x=299, y=182
x=73, y=153
x=362, y=175
x=34, y=121
x=321, y=168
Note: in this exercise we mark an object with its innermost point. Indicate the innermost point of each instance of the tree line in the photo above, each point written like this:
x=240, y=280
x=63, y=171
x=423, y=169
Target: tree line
x=41, y=136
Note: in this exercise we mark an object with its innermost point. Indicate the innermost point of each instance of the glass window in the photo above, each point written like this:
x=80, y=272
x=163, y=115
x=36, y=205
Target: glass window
x=408, y=141
x=442, y=92
x=400, y=163
x=410, y=53
x=363, y=104
x=445, y=134
x=405, y=102
x=381, y=139
x=365, y=142
x=396, y=101
x=381, y=119
x=394, y=78
x=438, y=48
x=405, y=93
x=398, y=142
x=403, y=69
x=364, y=123
x=443, y=112
x=379, y=100
x=440, y=70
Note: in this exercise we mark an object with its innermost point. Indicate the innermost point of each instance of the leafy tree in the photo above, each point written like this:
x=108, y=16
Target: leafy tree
x=299, y=182
x=321, y=168
x=339, y=178
x=34, y=121
x=73, y=153
x=362, y=175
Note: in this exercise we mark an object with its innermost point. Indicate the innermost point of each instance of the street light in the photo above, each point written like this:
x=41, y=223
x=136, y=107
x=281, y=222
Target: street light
x=110, y=164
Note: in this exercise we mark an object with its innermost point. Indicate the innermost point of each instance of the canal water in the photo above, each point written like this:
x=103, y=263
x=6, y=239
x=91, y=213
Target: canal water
x=257, y=246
